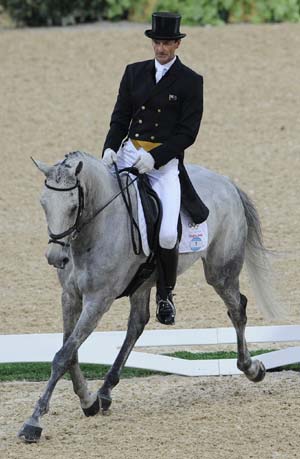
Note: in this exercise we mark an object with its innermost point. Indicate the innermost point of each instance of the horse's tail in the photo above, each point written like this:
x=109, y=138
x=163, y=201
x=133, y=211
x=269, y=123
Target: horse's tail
x=258, y=263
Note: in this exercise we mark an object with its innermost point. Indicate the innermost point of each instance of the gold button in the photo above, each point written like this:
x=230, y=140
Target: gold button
x=140, y=121
x=156, y=125
x=143, y=107
x=136, y=135
x=152, y=137
x=159, y=110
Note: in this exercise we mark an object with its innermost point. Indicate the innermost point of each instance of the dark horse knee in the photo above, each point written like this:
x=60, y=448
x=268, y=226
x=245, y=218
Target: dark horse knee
x=243, y=305
x=243, y=301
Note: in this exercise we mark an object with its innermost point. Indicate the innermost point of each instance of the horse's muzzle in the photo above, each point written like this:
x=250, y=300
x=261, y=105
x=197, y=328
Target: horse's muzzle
x=57, y=257
x=62, y=264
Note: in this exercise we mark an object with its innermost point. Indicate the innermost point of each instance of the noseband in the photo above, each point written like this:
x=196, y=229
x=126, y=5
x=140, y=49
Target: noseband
x=55, y=238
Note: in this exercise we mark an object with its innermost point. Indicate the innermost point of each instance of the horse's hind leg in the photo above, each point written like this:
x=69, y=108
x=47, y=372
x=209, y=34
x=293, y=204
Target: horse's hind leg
x=225, y=280
x=138, y=318
x=254, y=369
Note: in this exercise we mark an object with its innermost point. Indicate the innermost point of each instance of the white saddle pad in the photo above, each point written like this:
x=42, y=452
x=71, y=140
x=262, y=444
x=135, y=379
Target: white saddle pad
x=194, y=236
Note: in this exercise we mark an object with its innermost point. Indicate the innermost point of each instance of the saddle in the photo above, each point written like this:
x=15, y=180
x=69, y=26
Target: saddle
x=152, y=208
x=153, y=214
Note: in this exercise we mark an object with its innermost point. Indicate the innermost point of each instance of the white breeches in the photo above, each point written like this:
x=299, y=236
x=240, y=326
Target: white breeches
x=165, y=182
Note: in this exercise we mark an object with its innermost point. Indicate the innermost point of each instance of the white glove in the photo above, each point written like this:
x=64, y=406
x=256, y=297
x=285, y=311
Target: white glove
x=145, y=162
x=109, y=157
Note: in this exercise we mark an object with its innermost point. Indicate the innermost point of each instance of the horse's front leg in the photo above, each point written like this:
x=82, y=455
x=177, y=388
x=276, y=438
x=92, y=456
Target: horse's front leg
x=138, y=318
x=72, y=307
x=89, y=317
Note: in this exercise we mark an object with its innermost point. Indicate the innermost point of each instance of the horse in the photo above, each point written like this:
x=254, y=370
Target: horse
x=92, y=249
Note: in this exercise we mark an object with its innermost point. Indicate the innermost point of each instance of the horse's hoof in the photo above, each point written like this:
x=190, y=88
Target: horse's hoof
x=105, y=404
x=30, y=434
x=260, y=374
x=256, y=372
x=93, y=409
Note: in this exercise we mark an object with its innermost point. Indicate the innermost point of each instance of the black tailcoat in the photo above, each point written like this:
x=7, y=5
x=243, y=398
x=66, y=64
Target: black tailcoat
x=168, y=112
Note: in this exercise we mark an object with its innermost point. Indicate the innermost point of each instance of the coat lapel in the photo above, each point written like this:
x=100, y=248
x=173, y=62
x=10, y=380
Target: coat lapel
x=165, y=82
x=150, y=75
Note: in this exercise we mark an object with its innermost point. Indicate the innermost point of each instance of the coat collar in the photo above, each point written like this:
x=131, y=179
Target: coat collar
x=160, y=67
x=150, y=68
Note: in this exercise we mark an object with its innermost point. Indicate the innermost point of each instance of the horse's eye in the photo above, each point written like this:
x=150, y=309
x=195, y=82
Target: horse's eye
x=73, y=208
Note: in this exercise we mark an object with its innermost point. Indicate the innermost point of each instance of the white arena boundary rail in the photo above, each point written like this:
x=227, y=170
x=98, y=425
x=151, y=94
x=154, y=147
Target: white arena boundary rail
x=102, y=348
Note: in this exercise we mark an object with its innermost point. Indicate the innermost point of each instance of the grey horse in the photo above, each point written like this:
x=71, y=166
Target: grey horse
x=87, y=218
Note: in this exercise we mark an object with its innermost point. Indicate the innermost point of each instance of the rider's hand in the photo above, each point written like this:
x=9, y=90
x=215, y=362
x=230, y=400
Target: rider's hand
x=109, y=157
x=144, y=162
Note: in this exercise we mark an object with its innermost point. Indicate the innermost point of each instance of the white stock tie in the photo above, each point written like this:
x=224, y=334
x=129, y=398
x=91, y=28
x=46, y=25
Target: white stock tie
x=160, y=73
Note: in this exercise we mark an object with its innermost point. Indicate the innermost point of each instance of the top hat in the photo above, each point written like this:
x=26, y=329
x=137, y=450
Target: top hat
x=165, y=26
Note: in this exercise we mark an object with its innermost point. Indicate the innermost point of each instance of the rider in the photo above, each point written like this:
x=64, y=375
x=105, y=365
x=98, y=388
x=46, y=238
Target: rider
x=156, y=117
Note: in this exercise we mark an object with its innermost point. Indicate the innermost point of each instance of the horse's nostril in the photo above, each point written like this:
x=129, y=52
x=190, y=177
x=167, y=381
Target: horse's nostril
x=65, y=261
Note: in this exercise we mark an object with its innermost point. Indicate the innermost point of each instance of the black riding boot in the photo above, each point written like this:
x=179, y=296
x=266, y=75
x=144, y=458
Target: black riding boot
x=167, y=267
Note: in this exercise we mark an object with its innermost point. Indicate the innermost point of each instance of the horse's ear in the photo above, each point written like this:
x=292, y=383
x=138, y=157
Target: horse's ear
x=43, y=167
x=78, y=168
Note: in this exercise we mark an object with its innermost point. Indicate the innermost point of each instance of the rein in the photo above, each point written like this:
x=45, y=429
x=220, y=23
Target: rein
x=127, y=201
x=75, y=229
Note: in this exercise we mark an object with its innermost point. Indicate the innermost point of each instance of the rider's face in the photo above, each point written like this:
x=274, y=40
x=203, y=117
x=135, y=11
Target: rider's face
x=164, y=50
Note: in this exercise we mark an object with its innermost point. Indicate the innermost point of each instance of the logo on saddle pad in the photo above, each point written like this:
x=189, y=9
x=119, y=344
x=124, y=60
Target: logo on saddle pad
x=196, y=244
x=194, y=225
x=172, y=97
x=197, y=236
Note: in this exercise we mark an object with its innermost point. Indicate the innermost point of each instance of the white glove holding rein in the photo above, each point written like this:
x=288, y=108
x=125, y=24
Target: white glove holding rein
x=145, y=162
x=109, y=157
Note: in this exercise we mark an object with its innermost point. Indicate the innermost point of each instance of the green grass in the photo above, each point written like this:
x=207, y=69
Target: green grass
x=41, y=371
x=212, y=355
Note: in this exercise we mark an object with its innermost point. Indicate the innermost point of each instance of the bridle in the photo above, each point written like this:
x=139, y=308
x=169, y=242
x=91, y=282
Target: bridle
x=75, y=229
x=55, y=238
